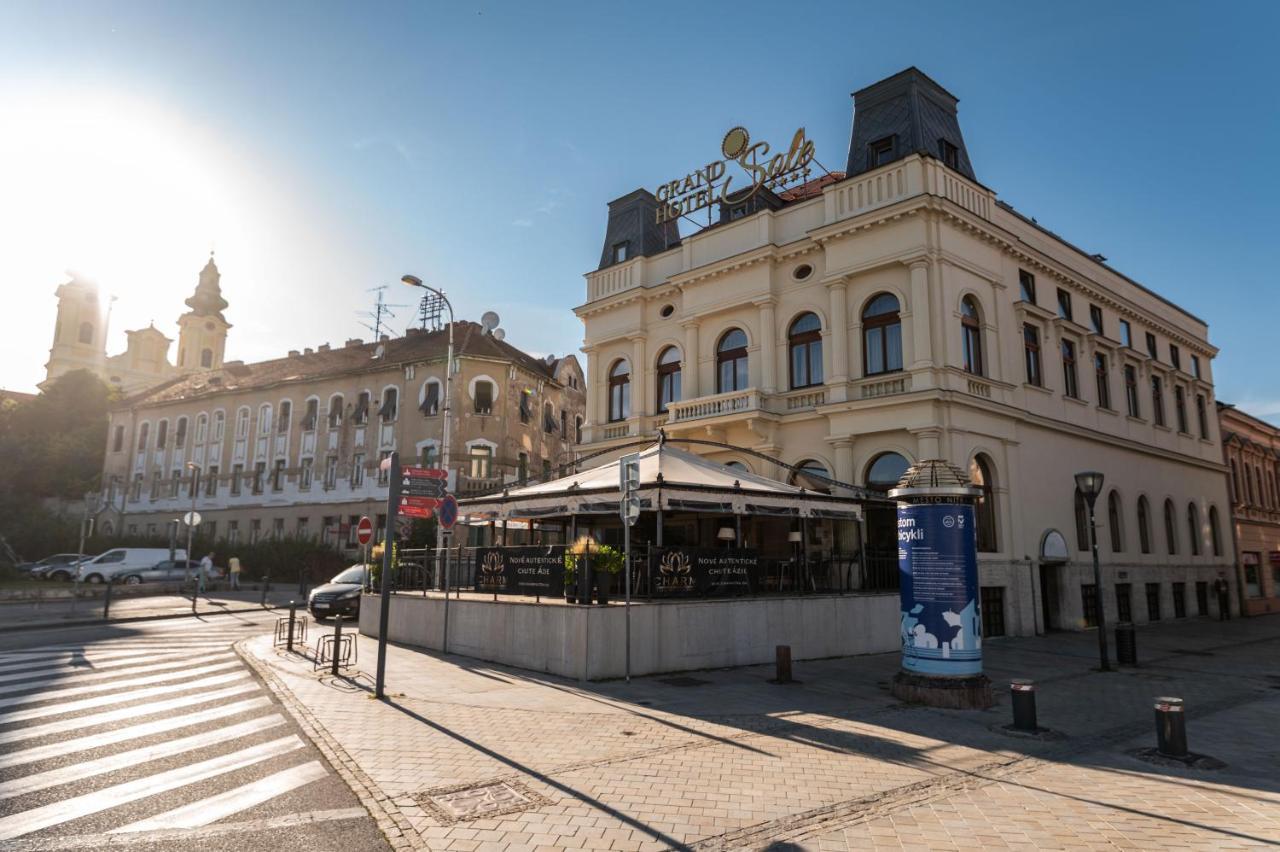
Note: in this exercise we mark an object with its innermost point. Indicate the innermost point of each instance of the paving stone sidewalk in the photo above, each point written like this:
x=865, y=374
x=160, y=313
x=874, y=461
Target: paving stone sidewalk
x=468, y=755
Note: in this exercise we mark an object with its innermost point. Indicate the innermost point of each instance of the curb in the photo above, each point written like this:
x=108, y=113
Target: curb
x=98, y=622
x=393, y=824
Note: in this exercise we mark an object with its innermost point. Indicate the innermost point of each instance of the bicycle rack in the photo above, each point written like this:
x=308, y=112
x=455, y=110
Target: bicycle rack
x=324, y=651
x=282, y=631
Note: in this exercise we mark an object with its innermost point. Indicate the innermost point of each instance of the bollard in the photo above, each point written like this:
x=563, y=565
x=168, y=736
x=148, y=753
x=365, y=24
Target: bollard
x=782, y=664
x=337, y=642
x=1126, y=644
x=1171, y=727
x=1023, y=697
x=266, y=588
x=106, y=601
x=293, y=614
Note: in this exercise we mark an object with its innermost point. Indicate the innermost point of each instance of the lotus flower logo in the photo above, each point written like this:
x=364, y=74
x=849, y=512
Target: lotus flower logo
x=492, y=571
x=675, y=573
x=492, y=563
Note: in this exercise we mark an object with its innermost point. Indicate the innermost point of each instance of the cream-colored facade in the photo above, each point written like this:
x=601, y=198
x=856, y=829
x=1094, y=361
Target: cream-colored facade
x=1251, y=448
x=947, y=375
x=291, y=447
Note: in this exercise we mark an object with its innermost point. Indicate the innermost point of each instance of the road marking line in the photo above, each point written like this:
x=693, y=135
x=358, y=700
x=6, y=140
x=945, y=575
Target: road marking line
x=48, y=672
x=80, y=723
x=131, y=791
x=185, y=838
x=134, y=757
x=133, y=732
x=87, y=658
x=119, y=698
x=223, y=805
x=58, y=679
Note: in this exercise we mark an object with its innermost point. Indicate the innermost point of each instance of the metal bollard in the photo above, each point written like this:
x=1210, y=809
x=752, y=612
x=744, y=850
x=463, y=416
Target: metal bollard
x=1022, y=695
x=782, y=664
x=1171, y=727
x=266, y=588
x=337, y=643
x=1126, y=644
x=106, y=601
x=293, y=614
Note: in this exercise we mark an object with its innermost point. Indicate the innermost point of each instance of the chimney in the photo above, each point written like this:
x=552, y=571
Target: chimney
x=633, y=229
x=294, y=353
x=384, y=338
x=902, y=115
x=307, y=351
x=354, y=341
x=324, y=347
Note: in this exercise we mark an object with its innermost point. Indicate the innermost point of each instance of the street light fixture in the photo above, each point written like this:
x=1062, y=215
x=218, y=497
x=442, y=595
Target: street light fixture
x=191, y=528
x=1089, y=482
x=445, y=437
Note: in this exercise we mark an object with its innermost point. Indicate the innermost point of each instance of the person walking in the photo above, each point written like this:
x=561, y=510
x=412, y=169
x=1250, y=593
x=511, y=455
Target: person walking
x=234, y=566
x=1223, y=589
x=206, y=568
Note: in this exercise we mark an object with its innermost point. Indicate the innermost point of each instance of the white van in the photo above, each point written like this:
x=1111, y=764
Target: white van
x=121, y=560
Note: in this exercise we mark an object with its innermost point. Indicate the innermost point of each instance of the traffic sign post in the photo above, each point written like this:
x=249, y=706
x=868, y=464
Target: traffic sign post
x=393, y=506
x=364, y=535
x=629, y=508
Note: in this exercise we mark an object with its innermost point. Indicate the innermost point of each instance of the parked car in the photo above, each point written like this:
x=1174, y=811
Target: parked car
x=169, y=571
x=123, y=560
x=59, y=566
x=339, y=596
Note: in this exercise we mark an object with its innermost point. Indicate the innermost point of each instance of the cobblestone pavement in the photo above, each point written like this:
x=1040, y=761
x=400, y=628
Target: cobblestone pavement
x=468, y=755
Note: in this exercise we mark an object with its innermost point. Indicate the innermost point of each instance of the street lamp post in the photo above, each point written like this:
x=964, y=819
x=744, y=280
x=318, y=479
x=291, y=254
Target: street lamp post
x=1090, y=484
x=195, y=472
x=446, y=435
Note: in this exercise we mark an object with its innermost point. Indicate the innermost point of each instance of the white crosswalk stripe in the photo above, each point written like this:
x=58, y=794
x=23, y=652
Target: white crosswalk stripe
x=225, y=661
x=119, y=698
x=78, y=668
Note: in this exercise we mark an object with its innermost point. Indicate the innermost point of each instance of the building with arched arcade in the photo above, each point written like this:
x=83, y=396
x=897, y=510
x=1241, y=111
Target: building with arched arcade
x=860, y=321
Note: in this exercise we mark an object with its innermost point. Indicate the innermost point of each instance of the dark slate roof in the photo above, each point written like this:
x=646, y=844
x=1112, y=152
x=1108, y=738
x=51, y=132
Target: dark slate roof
x=812, y=188
x=470, y=340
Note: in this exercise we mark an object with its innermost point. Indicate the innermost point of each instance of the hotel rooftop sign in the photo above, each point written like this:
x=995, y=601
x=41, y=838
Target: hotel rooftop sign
x=712, y=184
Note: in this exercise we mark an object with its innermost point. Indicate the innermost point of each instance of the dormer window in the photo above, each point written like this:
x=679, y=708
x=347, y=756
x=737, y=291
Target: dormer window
x=949, y=154
x=621, y=251
x=880, y=152
x=737, y=212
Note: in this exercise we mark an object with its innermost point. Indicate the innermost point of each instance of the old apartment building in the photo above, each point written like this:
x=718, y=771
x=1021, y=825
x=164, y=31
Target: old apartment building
x=1251, y=448
x=291, y=446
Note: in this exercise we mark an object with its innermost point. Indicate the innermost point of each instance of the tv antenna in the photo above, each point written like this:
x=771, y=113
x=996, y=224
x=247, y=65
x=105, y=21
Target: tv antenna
x=382, y=311
x=431, y=311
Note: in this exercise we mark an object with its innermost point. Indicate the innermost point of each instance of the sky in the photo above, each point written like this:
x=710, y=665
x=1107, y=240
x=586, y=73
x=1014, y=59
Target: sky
x=325, y=149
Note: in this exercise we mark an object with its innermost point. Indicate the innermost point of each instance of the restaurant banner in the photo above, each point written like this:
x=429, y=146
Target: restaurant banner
x=695, y=572
x=531, y=571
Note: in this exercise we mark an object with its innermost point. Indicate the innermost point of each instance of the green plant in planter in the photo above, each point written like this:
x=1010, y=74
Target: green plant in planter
x=603, y=558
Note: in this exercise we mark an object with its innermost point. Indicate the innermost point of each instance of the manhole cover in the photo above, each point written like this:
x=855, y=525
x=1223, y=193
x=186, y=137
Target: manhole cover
x=479, y=801
x=684, y=681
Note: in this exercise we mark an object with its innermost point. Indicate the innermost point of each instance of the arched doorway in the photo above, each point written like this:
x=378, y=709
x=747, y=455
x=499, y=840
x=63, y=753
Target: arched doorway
x=881, y=558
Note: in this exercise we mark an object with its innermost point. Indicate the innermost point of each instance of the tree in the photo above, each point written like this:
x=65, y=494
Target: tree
x=53, y=445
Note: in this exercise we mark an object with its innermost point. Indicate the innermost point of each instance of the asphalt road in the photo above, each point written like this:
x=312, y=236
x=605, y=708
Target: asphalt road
x=155, y=736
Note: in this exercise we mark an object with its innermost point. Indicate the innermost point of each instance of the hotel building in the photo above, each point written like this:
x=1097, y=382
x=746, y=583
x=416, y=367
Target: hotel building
x=896, y=311
x=1251, y=448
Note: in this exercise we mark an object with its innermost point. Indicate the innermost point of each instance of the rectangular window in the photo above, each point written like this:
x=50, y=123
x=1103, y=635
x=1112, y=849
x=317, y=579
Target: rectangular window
x=1252, y=574
x=175, y=479
x=277, y=476
x=1126, y=334
x=1179, y=600
x=1031, y=345
x=361, y=413
x=1195, y=366
x=880, y=152
x=1180, y=409
x=949, y=154
x=1102, y=377
x=427, y=456
x=305, y=474
x=431, y=400
x=384, y=472
x=303, y=529
x=255, y=530
x=484, y=398
x=1131, y=390
x=1027, y=283
x=564, y=424
x=526, y=406
x=1124, y=602
x=259, y=473
x=233, y=532
x=211, y=481
x=1151, y=345
x=162, y=434
x=1202, y=597
x=992, y=611
x=1157, y=400
x=237, y=477
x=357, y=470
x=353, y=522
x=331, y=472
x=1095, y=319
x=1202, y=416
x=1089, y=604
x=180, y=434
x=1064, y=304
x=155, y=485
x=522, y=466
x=1070, y=385
x=277, y=528
x=313, y=414
x=1153, y=601
x=620, y=251
x=481, y=462
x=117, y=440
x=1175, y=357
x=210, y=530
x=546, y=471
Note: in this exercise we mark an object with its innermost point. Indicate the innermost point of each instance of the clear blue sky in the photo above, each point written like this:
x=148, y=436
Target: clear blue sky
x=476, y=144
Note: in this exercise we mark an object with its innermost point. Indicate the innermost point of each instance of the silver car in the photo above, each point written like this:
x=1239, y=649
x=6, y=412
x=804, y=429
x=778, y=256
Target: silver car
x=168, y=571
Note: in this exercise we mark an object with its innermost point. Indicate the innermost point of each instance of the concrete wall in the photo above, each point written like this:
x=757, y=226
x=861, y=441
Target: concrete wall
x=588, y=642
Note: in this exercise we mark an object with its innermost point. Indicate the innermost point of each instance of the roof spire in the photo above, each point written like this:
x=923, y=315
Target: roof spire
x=207, y=299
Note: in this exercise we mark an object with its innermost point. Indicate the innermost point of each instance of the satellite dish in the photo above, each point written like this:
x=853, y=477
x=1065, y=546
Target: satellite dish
x=499, y=334
x=489, y=321
x=378, y=352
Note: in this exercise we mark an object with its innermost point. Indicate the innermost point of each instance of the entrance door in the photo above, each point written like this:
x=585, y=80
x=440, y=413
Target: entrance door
x=1049, y=597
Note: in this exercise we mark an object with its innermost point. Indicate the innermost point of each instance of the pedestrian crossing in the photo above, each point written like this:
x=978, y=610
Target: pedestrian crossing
x=150, y=736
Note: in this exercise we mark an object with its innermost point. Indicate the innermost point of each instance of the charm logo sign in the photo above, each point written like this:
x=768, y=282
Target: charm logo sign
x=674, y=573
x=712, y=184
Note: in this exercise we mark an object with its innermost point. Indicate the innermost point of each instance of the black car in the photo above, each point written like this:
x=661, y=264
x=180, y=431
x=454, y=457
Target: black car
x=339, y=596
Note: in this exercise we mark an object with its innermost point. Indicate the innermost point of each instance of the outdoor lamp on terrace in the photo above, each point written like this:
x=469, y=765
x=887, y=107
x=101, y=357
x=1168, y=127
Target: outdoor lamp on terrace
x=726, y=535
x=1090, y=484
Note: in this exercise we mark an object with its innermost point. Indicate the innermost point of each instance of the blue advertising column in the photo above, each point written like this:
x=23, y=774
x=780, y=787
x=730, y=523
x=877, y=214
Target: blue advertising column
x=941, y=626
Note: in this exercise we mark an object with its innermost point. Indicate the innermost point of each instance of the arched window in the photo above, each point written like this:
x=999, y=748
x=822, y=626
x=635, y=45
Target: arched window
x=668, y=377
x=577, y=427
x=1215, y=536
x=162, y=434
x=202, y=428
x=1114, y=521
x=885, y=470
x=242, y=423
x=984, y=510
x=620, y=391
x=548, y=418
x=335, y=411
x=731, y=361
x=282, y=421
x=390, y=405
x=1235, y=483
x=812, y=474
x=1082, y=521
x=429, y=402
x=737, y=465
x=1144, y=525
x=206, y=358
x=971, y=336
x=144, y=434
x=219, y=426
x=1193, y=528
x=1170, y=528
x=804, y=345
x=86, y=332
x=264, y=419
x=881, y=335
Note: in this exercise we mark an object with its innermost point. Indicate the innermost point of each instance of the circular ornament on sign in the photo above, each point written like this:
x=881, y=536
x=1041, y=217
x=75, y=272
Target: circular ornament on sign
x=735, y=142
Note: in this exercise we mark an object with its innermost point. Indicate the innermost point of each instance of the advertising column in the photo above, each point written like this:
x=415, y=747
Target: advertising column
x=941, y=624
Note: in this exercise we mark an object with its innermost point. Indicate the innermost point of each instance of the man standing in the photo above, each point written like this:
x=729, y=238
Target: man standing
x=1223, y=589
x=206, y=568
x=234, y=566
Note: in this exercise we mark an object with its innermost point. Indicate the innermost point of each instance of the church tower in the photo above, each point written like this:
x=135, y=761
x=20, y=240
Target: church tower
x=80, y=333
x=202, y=331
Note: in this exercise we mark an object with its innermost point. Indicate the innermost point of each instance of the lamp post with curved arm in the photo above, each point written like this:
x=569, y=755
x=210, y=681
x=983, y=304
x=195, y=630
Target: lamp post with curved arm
x=445, y=437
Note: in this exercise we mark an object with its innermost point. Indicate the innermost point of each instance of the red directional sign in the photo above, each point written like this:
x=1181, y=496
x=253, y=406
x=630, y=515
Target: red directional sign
x=425, y=472
x=364, y=531
x=409, y=510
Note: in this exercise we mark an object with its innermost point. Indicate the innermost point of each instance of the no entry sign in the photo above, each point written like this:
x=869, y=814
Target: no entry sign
x=364, y=530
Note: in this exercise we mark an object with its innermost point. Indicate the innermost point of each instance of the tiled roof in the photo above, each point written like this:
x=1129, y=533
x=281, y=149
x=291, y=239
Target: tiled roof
x=470, y=339
x=16, y=396
x=812, y=188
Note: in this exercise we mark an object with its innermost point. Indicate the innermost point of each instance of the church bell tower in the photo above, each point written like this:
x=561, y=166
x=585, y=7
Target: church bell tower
x=80, y=333
x=202, y=335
